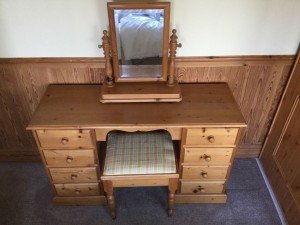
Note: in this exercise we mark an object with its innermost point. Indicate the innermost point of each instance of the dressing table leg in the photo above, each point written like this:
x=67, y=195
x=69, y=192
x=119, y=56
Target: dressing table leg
x=173, y=184
x=109, y=190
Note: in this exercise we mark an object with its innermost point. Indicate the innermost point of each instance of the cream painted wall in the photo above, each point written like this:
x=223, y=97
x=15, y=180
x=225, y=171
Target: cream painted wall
x=72, y=28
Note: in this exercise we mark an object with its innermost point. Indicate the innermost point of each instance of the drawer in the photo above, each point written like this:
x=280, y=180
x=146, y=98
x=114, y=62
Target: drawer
x=62, y=158
x=65, y=138
x=74, y=175
x=204, y=172
x=91, y=189
x=216, y=187
x=211, y=136
x=207, y=155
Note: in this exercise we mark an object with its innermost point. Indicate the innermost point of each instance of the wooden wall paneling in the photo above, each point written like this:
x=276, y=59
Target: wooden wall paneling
x=280, y=154
x=23, y=83
x=21, y=89
x=72, y=74
x=256, y=86
x=257, y=83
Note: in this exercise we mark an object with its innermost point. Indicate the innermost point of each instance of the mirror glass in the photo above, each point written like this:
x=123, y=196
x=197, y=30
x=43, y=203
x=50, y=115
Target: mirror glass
x=139, y=40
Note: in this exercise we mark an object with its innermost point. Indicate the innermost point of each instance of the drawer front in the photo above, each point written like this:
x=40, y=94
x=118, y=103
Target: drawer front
x=207, y=156
x=74, y=175
x=77, y=190
x=202, y=187
x=62, y=158
x=65, y=138
x=211, y=136
x=204, y=172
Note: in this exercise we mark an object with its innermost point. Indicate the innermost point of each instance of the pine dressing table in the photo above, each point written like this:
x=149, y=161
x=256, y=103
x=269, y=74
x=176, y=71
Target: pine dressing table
x=70, y=121
x=140, y=93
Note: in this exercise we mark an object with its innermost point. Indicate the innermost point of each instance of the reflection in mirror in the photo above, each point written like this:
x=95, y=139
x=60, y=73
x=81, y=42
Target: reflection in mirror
x=139, y=36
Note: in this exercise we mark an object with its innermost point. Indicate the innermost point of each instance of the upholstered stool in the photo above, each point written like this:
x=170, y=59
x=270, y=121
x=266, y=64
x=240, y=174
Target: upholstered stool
x=139, y=159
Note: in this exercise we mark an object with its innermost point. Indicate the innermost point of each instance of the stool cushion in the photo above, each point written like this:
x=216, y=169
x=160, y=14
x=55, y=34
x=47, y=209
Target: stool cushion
x=139, y=153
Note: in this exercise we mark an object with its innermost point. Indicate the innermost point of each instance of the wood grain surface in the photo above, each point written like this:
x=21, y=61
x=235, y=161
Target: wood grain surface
x=280, y=154
x=257, y=83
x=76, y=107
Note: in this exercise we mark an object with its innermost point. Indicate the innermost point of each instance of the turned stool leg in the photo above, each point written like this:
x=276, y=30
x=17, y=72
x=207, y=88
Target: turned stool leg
x=109, y=190
x=111, y=205
x=173, y=184
x=170, y=203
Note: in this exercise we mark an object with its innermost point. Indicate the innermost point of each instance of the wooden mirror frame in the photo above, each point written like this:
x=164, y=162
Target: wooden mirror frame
x=111, y=6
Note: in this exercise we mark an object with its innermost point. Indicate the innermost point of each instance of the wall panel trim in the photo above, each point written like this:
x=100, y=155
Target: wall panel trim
x=54, y=60
x=229, y=61
x=181, y=61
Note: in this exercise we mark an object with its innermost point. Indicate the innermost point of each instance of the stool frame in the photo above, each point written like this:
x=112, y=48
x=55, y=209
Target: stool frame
x=146, y=180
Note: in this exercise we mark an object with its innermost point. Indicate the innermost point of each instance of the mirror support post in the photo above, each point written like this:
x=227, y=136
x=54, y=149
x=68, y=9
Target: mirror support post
x=109, y=79
x=173, y=46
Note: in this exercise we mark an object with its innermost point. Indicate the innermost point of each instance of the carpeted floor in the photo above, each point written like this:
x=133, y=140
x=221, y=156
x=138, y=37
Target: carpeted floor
x=25, y=199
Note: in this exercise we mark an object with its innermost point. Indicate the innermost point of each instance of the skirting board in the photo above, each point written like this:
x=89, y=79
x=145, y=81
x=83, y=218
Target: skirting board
x=17, y=155
x=274, y=199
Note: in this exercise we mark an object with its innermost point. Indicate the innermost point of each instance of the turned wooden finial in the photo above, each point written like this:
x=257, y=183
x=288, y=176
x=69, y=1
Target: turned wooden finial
x=173, y=47
x=109, y=79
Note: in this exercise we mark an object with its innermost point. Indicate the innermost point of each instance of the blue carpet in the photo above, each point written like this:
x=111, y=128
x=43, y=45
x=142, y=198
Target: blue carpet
x=26, y=199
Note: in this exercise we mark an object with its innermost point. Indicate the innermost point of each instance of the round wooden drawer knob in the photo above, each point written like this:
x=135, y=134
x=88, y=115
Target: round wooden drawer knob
x=211, y=139
x=207, y=158
x=201, y=189
x=77, y=191
x=64, y=141
x=69, y=159
x=73, y=177
x=204, y=174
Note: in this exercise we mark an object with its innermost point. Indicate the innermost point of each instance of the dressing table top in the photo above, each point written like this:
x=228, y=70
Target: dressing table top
x=78, y=106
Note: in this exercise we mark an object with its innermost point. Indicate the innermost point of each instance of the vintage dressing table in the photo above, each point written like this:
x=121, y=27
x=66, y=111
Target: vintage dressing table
x=70, y=121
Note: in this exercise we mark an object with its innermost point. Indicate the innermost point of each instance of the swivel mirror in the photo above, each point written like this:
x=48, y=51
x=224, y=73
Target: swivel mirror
x=139, y=40
x=138, y=44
